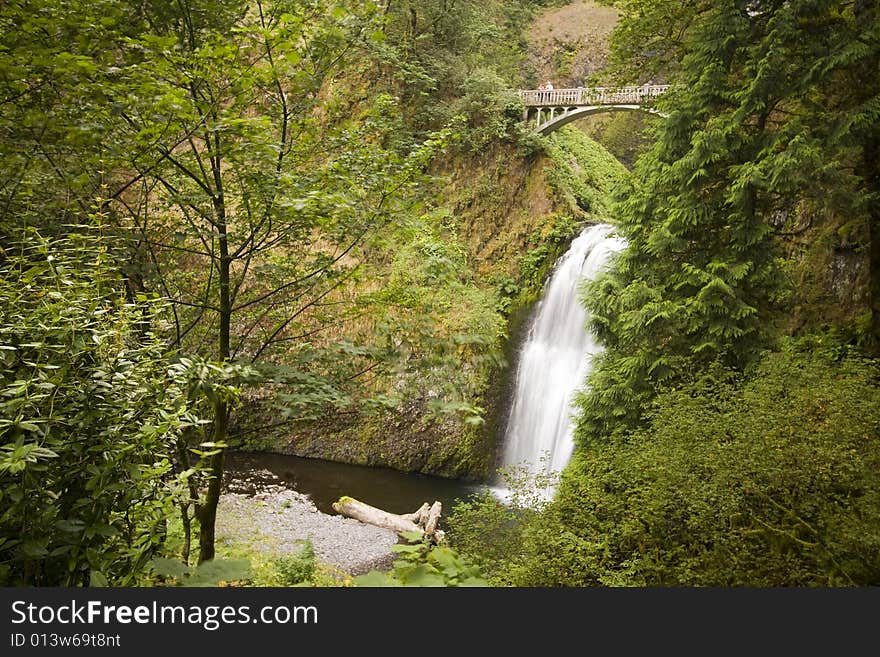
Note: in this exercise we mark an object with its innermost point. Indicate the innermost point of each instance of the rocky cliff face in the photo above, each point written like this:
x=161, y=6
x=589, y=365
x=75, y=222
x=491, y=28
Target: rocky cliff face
x=514, y=210
x=569, y=44
x=829, y=270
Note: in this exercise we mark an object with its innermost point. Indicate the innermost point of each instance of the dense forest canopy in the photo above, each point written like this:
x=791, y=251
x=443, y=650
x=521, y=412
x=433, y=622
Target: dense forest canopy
x=241, y=188
x=297, y=223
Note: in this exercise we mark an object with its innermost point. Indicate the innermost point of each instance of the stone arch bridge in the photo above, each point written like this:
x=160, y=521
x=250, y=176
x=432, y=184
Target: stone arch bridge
x=549, y=110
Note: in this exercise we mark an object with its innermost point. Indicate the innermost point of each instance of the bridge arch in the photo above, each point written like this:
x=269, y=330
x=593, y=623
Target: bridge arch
x=567, y=116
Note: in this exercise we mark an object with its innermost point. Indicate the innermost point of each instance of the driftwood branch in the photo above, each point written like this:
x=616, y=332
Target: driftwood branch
x=420, y=516
x=423, y=521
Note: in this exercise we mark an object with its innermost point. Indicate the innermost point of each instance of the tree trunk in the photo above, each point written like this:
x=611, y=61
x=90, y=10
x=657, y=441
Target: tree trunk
x=208, y=515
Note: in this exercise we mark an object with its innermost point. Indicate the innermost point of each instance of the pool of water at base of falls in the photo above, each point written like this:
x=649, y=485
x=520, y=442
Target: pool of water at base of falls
x=326, y=481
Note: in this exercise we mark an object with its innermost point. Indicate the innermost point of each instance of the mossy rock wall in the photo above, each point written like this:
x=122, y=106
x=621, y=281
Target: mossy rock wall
x=516, y=209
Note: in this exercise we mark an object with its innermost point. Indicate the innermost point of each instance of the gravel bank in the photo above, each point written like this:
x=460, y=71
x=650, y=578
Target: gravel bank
x=275, y=518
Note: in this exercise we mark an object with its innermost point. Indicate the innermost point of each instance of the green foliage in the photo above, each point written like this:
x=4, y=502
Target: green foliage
x=216, y=572
x=585, y=173
x=765, y=480
x=257, y=561
x=249, y=191
x=58, y=128
x=745, y=139
x=444, y=59
x=490, y=531
x=624, y=134
x=297, y=568
x=533, y=266
x=260, y=191
x=86, y=411
x=650, y=39
x=424, y=564
x=446, y=326
x=493, y=109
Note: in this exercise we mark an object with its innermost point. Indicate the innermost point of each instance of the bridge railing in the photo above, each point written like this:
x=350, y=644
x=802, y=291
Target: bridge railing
x=583, y=96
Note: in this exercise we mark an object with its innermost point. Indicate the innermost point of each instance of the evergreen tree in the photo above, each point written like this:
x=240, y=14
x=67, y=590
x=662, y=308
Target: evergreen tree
x=772, y=102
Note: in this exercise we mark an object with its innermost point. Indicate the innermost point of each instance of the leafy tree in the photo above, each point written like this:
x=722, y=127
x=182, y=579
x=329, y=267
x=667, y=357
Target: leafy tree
x=60, y=133
x=447, y=58
x=246, y=186
x=258, y=188
x=253, y=196
x=651, y=37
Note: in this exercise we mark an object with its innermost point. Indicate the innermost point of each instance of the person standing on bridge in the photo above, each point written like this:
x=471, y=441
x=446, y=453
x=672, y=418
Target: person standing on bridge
x=549, y=86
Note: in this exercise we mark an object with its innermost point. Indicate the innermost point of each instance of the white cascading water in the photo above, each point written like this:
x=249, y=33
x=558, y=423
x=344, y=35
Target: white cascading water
x=555, y=360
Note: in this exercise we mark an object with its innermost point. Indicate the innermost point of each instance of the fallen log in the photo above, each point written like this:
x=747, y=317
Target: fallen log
x=423, y=521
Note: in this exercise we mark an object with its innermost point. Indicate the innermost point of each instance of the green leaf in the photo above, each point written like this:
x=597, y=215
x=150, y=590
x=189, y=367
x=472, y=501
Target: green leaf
x=376, y=579
x=446, y=561
x=28, y=426
x=97, y=578
x=424, y=575
x=32, y=549
x=70, y=525
x=407, y=549
x=169, y=567
x=211, y=573
x=474, y=582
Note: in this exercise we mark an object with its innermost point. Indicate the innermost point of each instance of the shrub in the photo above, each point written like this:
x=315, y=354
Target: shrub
x=85, y=410
x=767, y=480
x=490, y=531
x=296, y=568
x=424, y=564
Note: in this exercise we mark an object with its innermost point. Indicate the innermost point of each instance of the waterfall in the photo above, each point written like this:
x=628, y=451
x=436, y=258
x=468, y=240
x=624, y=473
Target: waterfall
x=555, y=360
